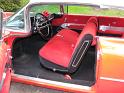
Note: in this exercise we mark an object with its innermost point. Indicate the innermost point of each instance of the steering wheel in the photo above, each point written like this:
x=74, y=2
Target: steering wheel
x=43, y=26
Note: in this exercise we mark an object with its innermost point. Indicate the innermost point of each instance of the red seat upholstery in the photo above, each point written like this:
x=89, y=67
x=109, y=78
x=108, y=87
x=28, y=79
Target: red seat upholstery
x=65, y=42
x=67, y=48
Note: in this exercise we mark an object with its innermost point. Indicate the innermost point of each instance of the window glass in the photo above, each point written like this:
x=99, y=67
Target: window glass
x=94, y=10
x=16, y=21
x=49, y=8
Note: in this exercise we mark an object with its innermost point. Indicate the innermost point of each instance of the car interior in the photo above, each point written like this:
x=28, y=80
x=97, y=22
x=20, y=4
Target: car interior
x=62, y=47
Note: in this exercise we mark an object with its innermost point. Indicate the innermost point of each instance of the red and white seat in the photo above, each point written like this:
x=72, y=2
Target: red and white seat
x=65, y=51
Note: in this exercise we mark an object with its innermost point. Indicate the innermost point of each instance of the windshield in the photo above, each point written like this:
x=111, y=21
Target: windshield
x=94, y=10
x=16, y=21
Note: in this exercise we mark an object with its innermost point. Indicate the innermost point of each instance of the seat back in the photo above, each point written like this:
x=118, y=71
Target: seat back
x=85, y=40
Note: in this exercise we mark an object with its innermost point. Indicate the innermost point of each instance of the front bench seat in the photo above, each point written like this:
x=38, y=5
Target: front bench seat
x=65, y=51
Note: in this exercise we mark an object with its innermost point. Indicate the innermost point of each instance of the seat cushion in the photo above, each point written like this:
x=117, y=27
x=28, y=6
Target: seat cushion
x=63, y=41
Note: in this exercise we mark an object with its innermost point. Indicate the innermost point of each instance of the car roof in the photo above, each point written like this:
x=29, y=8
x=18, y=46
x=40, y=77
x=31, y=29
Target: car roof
x=113, y=3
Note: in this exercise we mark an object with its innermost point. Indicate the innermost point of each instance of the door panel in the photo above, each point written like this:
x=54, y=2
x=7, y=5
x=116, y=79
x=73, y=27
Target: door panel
x=107, y=25
x=82, y=19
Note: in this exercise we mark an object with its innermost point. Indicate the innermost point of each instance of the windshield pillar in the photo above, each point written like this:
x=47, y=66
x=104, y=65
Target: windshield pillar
x=1, y=22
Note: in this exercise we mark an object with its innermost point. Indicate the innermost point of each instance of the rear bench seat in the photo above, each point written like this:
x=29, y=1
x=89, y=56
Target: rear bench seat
x=66, y=49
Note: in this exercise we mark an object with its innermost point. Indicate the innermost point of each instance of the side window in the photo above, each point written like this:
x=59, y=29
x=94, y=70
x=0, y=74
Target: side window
x=49, y=8
x=16, y=21
x=93, y=10
x=80, y=9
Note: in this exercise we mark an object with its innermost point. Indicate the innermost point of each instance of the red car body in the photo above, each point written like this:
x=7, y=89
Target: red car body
x=110, y=57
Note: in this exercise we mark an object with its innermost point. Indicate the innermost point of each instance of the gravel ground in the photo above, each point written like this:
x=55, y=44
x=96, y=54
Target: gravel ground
x=23, y=88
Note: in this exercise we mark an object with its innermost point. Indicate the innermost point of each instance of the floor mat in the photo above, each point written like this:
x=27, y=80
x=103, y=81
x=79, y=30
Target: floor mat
x=29, y=65
x=26, y=62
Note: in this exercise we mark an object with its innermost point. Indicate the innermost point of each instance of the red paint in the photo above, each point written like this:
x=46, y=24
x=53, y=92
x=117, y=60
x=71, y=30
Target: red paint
x=6, y=85
x=4, y=58
x=108, y=86
x=51, y=86
x=109, y=64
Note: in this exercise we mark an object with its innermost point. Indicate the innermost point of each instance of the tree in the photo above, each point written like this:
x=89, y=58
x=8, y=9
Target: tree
x=12, y=5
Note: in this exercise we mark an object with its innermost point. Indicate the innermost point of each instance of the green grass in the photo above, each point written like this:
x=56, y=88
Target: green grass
x=112, y=12
x=95, y=11
x=50, y=8
x=80, y=10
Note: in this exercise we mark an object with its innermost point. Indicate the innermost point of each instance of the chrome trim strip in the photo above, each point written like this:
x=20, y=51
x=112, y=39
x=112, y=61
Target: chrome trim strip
x=66, y=25
x=112, y=79
x=54, y=82
x=2, y=81
x=109, y=38
x=104, y=28
x=82, y=53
